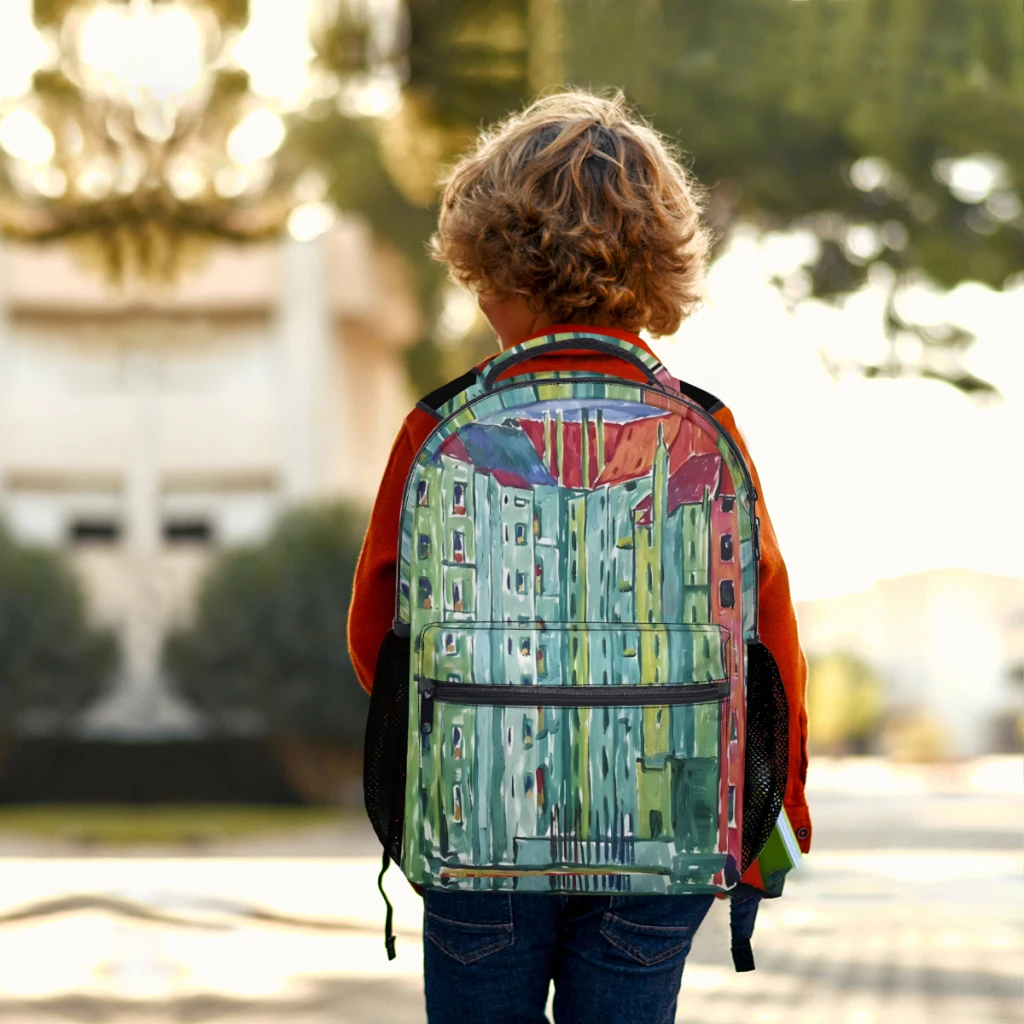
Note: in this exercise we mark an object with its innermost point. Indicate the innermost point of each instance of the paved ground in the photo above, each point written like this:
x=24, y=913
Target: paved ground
x=909, y=911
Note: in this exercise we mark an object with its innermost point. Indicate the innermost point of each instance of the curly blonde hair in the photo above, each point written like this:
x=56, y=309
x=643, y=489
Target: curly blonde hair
x=579, y=206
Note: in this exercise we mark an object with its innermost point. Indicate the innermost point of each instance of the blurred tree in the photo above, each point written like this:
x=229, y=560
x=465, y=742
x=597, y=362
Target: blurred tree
x=267, y=648
x=844, y=704
x=52, y=663
x=893, y=130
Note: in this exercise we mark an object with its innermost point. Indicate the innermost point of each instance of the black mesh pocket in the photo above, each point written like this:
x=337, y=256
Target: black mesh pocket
x=767, y=751
x=384, y=751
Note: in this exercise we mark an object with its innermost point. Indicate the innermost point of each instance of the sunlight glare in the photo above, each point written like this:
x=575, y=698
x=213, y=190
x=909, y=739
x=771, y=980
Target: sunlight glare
x=23, y=51
x=274, y=50
x=257, y=136
x=158, y=52
x=25, y=137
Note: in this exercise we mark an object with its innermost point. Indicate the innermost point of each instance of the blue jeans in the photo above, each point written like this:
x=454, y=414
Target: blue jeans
x=489, y=957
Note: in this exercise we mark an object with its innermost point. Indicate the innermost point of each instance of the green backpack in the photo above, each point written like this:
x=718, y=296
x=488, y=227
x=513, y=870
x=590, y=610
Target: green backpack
x=573, y=697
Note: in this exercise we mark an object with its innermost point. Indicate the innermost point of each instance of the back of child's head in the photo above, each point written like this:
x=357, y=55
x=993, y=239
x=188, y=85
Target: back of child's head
x=579, y=206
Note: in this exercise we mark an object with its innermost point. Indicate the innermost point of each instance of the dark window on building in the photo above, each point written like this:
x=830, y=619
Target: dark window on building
x=520, y=582
x=524, y=646
x=458, y=546
x=459, y=499
x=726, y=547
x=423, y=493
x=188, y=531
x=520, y=533
x=94, y=531
x=424, y=594
x=538, y=577
x=726, y=594
x=458, y=604
x=732, y=805
x=423, y=546
x=727, y=504
x=536, y=523
x=451, y=645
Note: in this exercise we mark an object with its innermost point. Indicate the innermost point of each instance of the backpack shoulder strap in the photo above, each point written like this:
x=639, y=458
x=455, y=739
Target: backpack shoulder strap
x=707, y=401
x=435, y=402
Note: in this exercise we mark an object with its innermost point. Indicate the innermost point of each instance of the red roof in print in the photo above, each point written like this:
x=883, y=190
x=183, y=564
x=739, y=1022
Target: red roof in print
x=686, y=485
x=630, y=448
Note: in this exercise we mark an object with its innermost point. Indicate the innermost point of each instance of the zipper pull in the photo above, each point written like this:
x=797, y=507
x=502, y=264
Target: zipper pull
x=426, y=688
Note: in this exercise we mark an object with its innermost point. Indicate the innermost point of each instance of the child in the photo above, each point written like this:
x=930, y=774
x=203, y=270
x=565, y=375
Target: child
x=572, y=214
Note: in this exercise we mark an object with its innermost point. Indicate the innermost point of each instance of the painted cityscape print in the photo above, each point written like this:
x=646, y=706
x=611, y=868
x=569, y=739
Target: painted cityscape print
x=577, y=534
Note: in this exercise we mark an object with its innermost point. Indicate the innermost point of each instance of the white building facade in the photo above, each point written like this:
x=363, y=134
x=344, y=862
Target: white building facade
x=142, y=431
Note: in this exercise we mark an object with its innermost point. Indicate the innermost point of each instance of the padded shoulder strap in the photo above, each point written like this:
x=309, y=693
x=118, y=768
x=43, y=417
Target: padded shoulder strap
x=699, y=396
x=441, y=396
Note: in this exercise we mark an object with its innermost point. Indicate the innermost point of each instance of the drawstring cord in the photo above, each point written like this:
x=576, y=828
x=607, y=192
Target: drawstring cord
x=389, y=935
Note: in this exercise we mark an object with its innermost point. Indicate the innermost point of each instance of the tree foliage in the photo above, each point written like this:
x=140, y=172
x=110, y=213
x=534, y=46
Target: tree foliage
x=268, y=636
x=891, y=129
x=52, y=662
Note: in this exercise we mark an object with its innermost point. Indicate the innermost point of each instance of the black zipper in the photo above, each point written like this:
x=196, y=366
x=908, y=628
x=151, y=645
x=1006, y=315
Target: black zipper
x=751, y=490
x=503, y=695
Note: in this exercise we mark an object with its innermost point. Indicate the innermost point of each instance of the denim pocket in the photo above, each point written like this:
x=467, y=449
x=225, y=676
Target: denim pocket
x=469, y=926
x=653, y=931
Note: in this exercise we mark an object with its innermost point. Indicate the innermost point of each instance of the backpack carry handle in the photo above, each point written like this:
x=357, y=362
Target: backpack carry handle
x=635, y=356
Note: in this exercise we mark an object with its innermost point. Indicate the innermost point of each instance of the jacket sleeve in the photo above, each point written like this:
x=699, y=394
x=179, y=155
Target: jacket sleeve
x=778, y=629
x=373, y=590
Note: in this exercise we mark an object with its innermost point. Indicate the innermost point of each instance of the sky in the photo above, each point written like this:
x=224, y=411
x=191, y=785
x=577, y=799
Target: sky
x=863, y=479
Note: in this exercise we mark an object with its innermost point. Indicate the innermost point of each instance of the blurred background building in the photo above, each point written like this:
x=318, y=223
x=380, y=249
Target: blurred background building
x=144, y=429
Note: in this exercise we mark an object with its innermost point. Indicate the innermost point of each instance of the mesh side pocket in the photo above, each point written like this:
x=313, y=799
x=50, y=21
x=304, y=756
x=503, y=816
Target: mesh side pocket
x=384, y=751
x=767, y=752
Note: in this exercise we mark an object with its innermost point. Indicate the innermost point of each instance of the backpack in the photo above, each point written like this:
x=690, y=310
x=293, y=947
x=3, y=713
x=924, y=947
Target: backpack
x=573, y=697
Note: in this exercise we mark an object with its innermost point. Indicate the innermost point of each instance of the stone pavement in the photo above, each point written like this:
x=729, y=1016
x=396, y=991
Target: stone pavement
x=909, y=911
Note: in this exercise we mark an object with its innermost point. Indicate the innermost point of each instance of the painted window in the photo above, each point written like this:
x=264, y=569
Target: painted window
x=458, y=604
x=526, y=680
x=457, y=804
x=424, y=595
x=538, y=577
x=521, y=502
x=457, y=742
x=508, y=645
x=454, y=677
x=459, y=499
x=508, y=582
x=536, y=523
x=423, y=546
x=732, y=806
x=734, y=731
x=528, y=783
x=520, y=533
x=451, y=644
x=504, y=533
x=727, y=504
x=520, y=582
x=725, y=547
x=542, y=661
x=458, y=546
x=524, y=646
x=423, y=493
x=727, y=594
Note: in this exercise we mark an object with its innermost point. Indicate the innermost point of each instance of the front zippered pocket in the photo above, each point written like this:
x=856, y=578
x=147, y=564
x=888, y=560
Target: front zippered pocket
x=502, y=695
x=580, y=756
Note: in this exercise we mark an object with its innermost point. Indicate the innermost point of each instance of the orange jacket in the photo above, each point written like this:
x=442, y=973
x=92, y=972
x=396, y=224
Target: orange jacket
x=373, y=593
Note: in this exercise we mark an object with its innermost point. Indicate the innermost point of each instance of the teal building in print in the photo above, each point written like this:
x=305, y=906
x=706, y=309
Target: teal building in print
x=568, y=549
